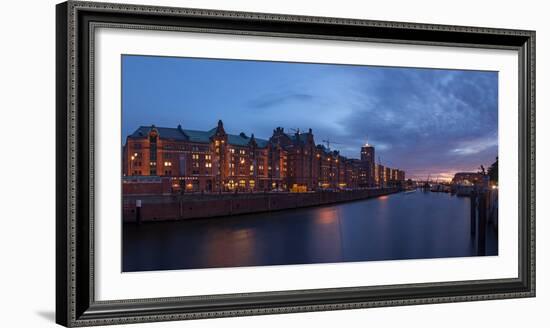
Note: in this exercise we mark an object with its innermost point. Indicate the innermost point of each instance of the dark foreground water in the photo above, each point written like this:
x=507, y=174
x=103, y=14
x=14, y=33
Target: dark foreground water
x=399, y=226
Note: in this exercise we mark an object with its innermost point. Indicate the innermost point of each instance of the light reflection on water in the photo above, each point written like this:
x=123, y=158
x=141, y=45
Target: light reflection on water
x=400, y=226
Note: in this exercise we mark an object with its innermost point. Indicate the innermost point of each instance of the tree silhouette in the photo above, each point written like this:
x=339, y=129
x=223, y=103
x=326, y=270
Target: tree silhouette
x=493, y=171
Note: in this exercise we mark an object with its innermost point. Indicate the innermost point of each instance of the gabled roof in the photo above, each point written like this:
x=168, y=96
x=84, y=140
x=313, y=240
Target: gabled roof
x=177, y=134
x=168, y=133
x=180, y=134
x=324, y=149
x=243, y=140
x=199, y=136
x=302, y=139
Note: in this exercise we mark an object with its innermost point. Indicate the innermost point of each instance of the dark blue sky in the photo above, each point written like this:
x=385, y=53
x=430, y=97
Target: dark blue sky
x=425, y=121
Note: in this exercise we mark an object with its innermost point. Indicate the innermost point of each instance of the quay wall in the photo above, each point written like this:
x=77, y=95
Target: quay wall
x=194, y=206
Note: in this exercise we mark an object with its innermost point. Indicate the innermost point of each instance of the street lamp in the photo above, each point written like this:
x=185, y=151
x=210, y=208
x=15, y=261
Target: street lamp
x=132, y=158
x=131, y=165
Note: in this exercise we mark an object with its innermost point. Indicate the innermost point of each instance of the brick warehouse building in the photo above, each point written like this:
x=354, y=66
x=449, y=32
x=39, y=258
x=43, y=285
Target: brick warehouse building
x=213, y=161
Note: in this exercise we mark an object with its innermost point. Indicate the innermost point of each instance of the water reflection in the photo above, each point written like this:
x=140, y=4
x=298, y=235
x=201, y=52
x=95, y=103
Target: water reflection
x=224, y=247
x=400, y=226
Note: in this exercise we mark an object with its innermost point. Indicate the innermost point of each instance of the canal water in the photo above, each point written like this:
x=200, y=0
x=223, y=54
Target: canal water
x=399, y=226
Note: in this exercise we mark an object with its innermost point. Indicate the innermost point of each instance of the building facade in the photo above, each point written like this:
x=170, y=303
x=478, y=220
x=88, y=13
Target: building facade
x=367, y=173
x=215, y=161
x=388, y=177
x=468, y=178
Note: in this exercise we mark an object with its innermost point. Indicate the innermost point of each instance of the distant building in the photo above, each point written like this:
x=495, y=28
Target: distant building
x=388, y=177
x=367, y=170
x=468, y=178
x=214, y=160
x=401, y=175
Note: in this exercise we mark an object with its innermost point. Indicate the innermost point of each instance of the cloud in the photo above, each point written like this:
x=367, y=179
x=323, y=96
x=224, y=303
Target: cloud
x=428, y=119
x=278, y=99
x=418, y=119
x=472, y=147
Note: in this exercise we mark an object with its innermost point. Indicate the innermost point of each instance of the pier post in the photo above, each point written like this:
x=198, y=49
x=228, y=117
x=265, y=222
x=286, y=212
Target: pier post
x=482, y=223
x=180, y=203
x=138, y=211
x=473, y=204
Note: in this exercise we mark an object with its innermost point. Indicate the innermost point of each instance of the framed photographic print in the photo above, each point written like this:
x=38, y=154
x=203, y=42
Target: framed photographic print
x=214, y=163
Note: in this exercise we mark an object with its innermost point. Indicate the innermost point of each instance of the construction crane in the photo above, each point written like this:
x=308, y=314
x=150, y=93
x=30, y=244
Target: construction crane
x=328, y=142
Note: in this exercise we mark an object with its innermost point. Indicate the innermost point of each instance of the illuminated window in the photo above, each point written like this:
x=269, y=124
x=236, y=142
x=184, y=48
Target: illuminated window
x=195, y=156
x=207, y=164
x=207, y=157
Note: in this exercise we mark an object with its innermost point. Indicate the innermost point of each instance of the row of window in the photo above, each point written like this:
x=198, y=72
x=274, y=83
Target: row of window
x=181, y=147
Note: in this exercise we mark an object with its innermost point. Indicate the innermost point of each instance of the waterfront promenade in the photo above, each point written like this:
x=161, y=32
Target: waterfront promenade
x=199, y=205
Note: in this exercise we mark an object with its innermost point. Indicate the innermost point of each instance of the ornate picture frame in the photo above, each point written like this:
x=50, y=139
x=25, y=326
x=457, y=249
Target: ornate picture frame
x=76, y=304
